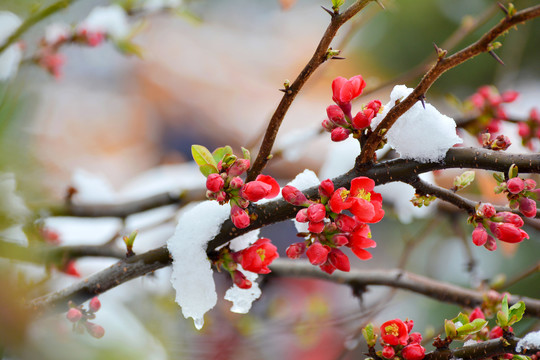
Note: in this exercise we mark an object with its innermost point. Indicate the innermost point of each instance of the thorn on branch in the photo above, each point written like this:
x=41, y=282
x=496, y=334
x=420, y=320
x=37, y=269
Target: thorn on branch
x=492, y=53
x=503, y=8
x=332, y=14
x=337, y=58
x=421, y=98
x=440, y=52
x=380, y=4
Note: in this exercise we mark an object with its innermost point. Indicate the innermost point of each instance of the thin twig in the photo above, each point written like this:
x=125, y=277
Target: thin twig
x=525, y=274
x=319, y=57
x=442, y=65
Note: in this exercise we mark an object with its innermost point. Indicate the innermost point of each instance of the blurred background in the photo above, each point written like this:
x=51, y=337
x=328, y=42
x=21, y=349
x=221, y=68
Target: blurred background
x=120, y=128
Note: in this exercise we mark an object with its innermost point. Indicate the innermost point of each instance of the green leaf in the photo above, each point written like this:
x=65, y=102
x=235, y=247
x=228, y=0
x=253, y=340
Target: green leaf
x=498, y=177
x=502, y=315
x=336, y=4
x=513, y=172
x=464, y=180
x=220, y=153
x=128, y=48
x=208, y=169
x=371, y=338
x=246, y=153
x=450, y=329
x=521, y=357
x=462, y=318
x=516, y=313
x=202, y=156
x=473, y=327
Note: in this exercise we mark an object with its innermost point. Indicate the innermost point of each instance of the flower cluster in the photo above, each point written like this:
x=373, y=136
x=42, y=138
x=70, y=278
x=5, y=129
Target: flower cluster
x=530, y=129
x=521, y=193
x=254, y=258
x=396, y=338
x=488, y=103
x=79, y=317
x=505, y=226
x=501, y=142
x=340, y=122
x=224, y=184
x=329, y=228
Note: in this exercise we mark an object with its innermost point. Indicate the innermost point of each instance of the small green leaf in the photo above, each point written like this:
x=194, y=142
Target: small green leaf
x=450, y=329
x=464, y=180
x=129, y=48
x=129, y=240
x=521, y=357
x=462, y=318
x=473, y=327
x=502, y=315
x=336, y=4
x=246, y=153
x=498, y=177
x=221, y=152
x=208, y=169
x=516, y=312
x=202, y=156
x=371, y=338
x=513, y=172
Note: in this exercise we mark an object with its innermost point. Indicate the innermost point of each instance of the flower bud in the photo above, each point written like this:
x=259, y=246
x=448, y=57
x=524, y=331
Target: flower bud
x=515, y=185
x=413, y=352
x=294, y=196
x=336, y=115
x=240, y=280
x=328, y=268
x=527, y=207
x=255, y=190
x=239, y=167
x=345, y=223
x=95, y=304
x=328, y=125
x=301, y=216
x=501, y=142
x=340, y=240
x=524, y=130
x=296, y=250
x=363, y=119
x=530, y=184
x=339, y=260
x=508, y=232
x=415, y=338
x=476, y=314
x=409, y=324
x=479, y=235
x=214, y=182
x=509, y=96
x=317, y=253
x=508, y=217
x=236, y=182
x=221, y=196
x=95, y=330
x=340, y=134
x=490, y=244
x=74, y=315
x=326, y=188
x=239, y=217
x=316, y=227
x=486, y=210
x=374, y=105
x=388, y=352
x=316, y=212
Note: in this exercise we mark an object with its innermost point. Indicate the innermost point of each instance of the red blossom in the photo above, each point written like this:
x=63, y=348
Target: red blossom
x=344, y=91
x=345, y=223
x=317, y=253
x=240, y=280
x=70, y=269
x=366, y=204
x=497, y=332
x=95, y=330
x=301, y=216
x=214, y=182
x=527, y=207
x=479, y=235
x=336, y=115
x=358, y=241
x=258, y=256
x=316, y=212
x=296, y=250
x=74, y=315
x=339, y=134
x=486, y=210
x=239, y=217
x=239, y=167
x=339, y=260
x=410, y=324
x=415, y=338
x=326, y=188
x=316, y=227
x=508, y=217
x=328, y=268
x=508, y=233
x=413, y=352
x=394, y=332
x=267, y=179
x=255, y=190
x=515, y=185
x=476, y=314
x=94, y=304
x=388, y=352
x=293, y=196
x=338, y=202
x=363, y=119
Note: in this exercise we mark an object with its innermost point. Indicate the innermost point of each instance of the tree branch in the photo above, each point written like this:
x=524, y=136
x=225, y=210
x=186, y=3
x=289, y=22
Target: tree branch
x=279, y=210
x=443, y=64
x=319, y=57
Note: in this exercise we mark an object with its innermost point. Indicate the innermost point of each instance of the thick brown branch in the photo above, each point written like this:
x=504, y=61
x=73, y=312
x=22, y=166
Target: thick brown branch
x=442, y=65
x=319, y=57
x=276, y=211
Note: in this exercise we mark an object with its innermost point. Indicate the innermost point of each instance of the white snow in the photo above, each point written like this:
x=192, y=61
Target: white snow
x=10, y=57
x=419, y=134
x=243, y=298
x=192, y=275
x=56, y=32
x=470, y=342
x=157, y=5
x=529, y=342
x=111, y=20
x=13, y=210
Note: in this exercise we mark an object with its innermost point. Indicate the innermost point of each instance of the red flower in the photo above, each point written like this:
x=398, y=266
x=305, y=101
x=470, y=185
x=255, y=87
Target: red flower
x=74, y=315
x=214, y=182
x=70, y=269
x=301, y=216
x=239, y=167
x=339, y=260
x=415, y=338
x=515, y=185
x=267, y=179
x=394, y=332
x=338, y=201
x=293, y=196
x=240, y=280
x=239, y=217
x=413, y=352
x=95, y=330
x=479, y=235
x=388, y=352
x=336, y=115
x=358, y=241
x=486, y=210
x=509, y=233
x=509, y=96
x=95, y=304
x=339, y=134
x=328, y=268
x=264, y=187
x=258, y=256
x=344, y=91
x=316, y=227
x=410, y=325
x=476, y=314
x=366, y=204
x=346, y=223
x=296, y=250
x=317, y=253
x=316, y=212
x=326, y=188
x=527, y=207
x=497, y=332
x=508, y=217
